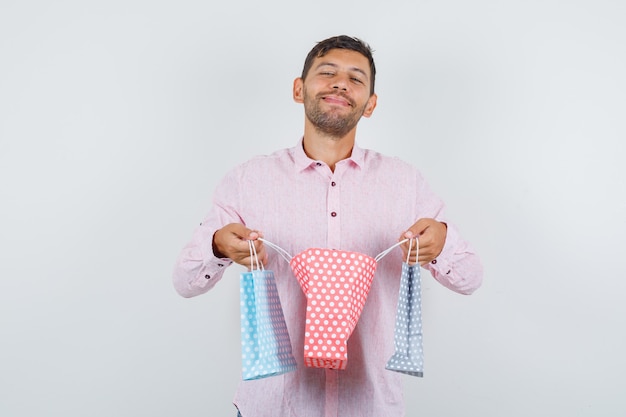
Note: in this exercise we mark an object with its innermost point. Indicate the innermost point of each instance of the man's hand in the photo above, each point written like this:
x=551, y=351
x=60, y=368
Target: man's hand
x=431, y=235
x=231, y=241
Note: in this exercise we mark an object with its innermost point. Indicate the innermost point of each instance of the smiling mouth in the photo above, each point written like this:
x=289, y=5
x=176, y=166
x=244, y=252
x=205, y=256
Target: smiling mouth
x=338, y=100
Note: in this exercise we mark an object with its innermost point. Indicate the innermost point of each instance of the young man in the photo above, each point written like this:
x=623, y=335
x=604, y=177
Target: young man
x=326, y=192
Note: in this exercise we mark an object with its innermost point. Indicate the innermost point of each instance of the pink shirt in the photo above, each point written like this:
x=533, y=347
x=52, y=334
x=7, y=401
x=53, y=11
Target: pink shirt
x=299, y=203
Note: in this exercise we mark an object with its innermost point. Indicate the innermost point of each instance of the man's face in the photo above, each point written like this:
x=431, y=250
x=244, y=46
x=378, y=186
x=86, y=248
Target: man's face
x=336, y=92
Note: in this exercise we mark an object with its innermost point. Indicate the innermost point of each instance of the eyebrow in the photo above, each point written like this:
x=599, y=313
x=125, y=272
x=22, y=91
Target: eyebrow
x=331, y=64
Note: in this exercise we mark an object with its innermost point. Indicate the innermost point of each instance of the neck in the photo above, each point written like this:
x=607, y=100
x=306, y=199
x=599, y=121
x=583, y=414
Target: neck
x=326, y=148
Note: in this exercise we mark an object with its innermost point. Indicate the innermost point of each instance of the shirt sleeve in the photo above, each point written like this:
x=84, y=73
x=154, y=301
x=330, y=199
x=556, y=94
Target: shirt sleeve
x=197, y=269
x=457, y=267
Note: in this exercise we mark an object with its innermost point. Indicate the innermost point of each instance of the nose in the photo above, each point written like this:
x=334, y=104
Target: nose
x=340, y=82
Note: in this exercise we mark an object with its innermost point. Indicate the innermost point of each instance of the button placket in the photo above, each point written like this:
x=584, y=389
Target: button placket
x=332, y=185
x=333, y=208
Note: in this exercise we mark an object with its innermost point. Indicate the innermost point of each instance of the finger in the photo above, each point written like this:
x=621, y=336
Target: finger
x=253, y=234
x=428, y=252
x=407, y=235
x=238, y=230
x=263, y=258
x=424, y=258
x=411, y=256
x=419, y=227
x=259, y=248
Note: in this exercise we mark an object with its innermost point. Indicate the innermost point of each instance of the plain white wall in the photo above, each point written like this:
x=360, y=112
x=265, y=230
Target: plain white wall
x=117, y=119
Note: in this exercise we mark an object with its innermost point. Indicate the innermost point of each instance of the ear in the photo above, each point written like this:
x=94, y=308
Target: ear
x=298, y=87
x=370, y=105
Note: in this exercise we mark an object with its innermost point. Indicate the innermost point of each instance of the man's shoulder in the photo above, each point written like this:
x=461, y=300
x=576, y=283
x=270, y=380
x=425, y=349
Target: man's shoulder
x=260, y=161
x=376, y=158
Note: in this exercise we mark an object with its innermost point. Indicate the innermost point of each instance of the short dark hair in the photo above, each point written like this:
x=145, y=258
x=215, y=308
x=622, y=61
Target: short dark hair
x=341, y=42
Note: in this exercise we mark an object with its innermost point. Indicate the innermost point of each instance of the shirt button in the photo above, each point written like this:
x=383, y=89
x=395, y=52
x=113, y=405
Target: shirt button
x=319, y=164
x=434, y=261
x=207, y=276
x=220, y=265
x=333, y=183
x=334, y=214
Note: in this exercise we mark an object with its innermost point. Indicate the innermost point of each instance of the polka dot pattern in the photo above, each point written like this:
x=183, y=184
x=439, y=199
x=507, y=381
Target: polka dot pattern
x=408, y=357
x=265, y=344
x=336, y=284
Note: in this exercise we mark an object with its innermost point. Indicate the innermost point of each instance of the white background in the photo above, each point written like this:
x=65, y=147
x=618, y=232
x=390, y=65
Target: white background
x=118, y=118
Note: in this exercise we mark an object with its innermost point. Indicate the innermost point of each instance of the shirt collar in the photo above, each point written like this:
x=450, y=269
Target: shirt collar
x=302, y=161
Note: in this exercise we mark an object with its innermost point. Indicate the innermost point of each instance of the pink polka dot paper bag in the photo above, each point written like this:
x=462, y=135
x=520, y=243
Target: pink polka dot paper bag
x=336, y=284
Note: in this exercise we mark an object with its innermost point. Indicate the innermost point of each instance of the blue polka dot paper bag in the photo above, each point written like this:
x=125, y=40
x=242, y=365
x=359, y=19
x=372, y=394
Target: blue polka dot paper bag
x=408, y=357
x=265, y=344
